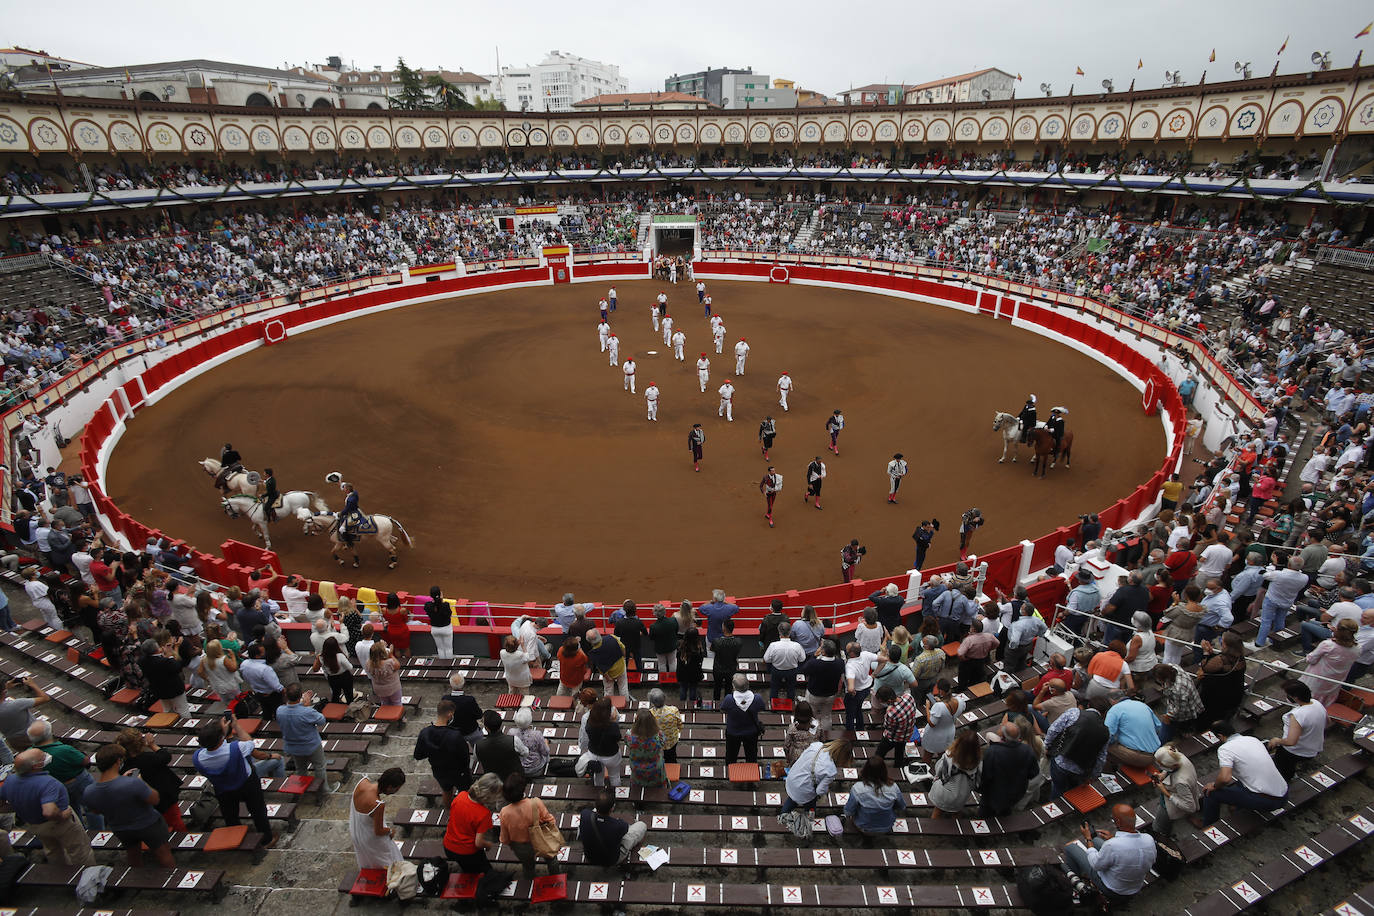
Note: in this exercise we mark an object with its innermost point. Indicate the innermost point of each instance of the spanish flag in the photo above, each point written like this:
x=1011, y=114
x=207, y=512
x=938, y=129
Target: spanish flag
x=1018, y=76
x=1213, y=58
x=1365, y=31
x=1284, y=47
x=1078, y=70
x=1140, y=63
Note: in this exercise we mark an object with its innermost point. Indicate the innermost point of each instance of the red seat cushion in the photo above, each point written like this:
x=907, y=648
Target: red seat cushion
x=389, y=713
x=223, y=838
x=781, y=704
x=250, y=726
x=371, y=882
x=334, y=711
x=563, y=702
x=509, y=701
x=58, y=636
x=548, y=888
x=297, y=785
x=127, y=695
x=1138, y=775
x=460, y=887
x=618, y=701
x=1085, y=798
x=744, y=772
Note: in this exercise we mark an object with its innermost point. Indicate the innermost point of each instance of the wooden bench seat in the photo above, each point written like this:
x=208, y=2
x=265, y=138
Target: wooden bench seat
x=208, y=880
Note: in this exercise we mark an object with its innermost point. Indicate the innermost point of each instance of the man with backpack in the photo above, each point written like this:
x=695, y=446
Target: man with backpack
x=228, y=766
x=1077, y=747
x=607, y=840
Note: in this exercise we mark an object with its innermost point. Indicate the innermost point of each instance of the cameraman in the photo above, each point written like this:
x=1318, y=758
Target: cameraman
x=971, y=521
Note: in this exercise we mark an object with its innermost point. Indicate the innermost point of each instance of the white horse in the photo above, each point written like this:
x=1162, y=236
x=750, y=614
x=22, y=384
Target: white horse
x=238, y=482
x=1010, y=428
x=386, y=534
x=291, y=502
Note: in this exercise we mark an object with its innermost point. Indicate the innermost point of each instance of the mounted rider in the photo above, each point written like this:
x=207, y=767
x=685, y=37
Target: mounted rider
x=350, y=518
x=229, y=463
x=1027, y=419
x=1055, y=426
x=269, y=495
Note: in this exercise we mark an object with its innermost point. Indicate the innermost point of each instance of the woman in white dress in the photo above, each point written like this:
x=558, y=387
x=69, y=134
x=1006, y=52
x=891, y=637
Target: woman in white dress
x=372, y=838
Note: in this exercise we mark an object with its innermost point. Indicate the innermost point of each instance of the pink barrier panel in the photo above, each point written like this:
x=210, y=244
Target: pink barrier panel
x=133, y=394
x=614, y=269
x=1046, y=595
x=1042, y=553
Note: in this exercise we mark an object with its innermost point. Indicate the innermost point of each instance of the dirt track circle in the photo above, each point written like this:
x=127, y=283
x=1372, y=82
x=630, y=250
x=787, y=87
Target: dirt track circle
x=500, y=436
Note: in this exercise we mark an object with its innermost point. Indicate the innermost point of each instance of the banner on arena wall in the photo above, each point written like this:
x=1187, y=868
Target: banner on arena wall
x=535, y=211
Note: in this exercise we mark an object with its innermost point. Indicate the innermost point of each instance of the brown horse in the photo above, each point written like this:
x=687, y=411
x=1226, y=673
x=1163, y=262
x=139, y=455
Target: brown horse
x=1045, y=452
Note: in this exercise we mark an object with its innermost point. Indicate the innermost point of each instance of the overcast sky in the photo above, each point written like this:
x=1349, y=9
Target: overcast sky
x=823, y=45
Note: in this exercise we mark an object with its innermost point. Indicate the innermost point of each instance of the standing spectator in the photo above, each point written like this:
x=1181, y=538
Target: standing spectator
x=1117, y=862
x=385, y=674
x=663, y=634
x=608, y=657
x=1077, y=747
x=858, y=679
x=603, y=747
x=1009, y=766
x=809, y=777
x=43, y=805
x=669, y=720
x=581, y=626
x=644, y=748
x=1140, y=650
x=768, y=626
x=262, y=680
x=154, y=766
x=874, y=800
x=1282, y=587
x=1221, y=679
x=726, y=660
x=338, y=671
x=517, y=667
x=926, y=667
x=300, y=725
x=1182, y=703
x=974, y=651
x=608, y=840
x=397, y=626
x=824, y=679
x=446, y=749
x=783, y=658
x=742, y=725
x=1304, y=731
x=162, y=667
x=1021, y=636
x=716, y=612
x=572, y=667
x=1183, y=621
x=942, y=712
x=1246, y=777
x=532, y=645
x=800, y=732
x=520, y=814
x=68, y=766
x=372, y=838
x=899, y=721
x=889, y=603
x=465, y=839
x=808, y=631
x=440, y=614
x=498, y=753
x=1178, y=789
x=630, y=631
x=226, y=765
x=534, y=756
x=891, y=672
x=129, y=806
x=16, y=716
x=956, y=775
x=40, y=596
x=870, y=634
x=690, y=656
x=467, y=713
x=1330, y=663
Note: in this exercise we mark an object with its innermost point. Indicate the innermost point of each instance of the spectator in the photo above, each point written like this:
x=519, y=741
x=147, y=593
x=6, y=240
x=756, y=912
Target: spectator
x=1179, y=792
x=768, y=626
x=1221, y=679
x=870, y=634
x=888, y=604
x=129, y=807
x=874, y=801
x=1140, y=650
x=630, y=631
x=669, y=723
x=516, y=667
x=602, y=751
x=742, y=725
x=1246, y=777
x=1182, y=703
x=716, y=612
x=385, y=673
x=725, y=660
x=68, y=766
x=663, y=634
x=1021, y=636
x=446, y=749
x=520, y=814
x=974, y=651
x=644, y=748
x=40, y=596
x=1009, y=766
x=226, y=765
x=809, y=777
x=397, y=627
x=1053, y=700
x=1134, y=731
x=608, y=840
x=608, y=657
x=162, y=667
x=1304, y=731
x=467, y=713
x=262, y=680
x=799, y=734
x=858, y=678
x=220, y=671
x=690, y=656
x=942, y=711
x=465, y=839
x=372, y=838
x=43, y=805
x=808, y=631
x=565, y=612
x=1282, y=587
x=1330, y=663
x=891, y=672
x=899, y=722
x=320, y=631
x=154, y=765
x=1117, y=862
x=1108, y=671
x=572, y=667
x=337, y=669
x=440, y=614
x=1076, y=745
x=16, y=716
x=300, y=725
x=526, y=630
x=926, y=667
x=535, y=756
x=956, y=774
x=581, y=626
x=783, y=657
x=498, y=753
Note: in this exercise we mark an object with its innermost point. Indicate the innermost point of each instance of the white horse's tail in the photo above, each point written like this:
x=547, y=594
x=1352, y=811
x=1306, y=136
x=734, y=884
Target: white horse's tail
x=317, y=502
x=405, y=534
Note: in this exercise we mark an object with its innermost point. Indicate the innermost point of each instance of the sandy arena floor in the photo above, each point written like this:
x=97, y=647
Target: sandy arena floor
x=497, y=433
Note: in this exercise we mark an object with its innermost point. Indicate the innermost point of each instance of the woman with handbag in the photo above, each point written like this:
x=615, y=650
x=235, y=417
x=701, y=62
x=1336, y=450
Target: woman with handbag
x=956, y=775
x=528, y=828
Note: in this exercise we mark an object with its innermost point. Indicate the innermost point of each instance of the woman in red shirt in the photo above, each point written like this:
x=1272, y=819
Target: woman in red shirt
x=572, y=667
x=465, y=840
x=1182, y=564
x=397, y=627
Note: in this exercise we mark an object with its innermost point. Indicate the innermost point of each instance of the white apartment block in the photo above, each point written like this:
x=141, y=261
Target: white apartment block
x=556, y=82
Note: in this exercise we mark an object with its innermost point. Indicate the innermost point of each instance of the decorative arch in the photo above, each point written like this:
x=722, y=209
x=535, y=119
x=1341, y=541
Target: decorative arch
x=434, y=137
x=1111, y=126
x=257, y=100
x=783, y=133
x=734, y=132
x=408, y=137
x=1054, y=128
x=1286, y=119
x=1176, y=125
x=146, y=96
x=996, y=128
x=538, y=136
x=163, y=137
x=295, y=137
x=835, y=132
x=938, y=130
x=587, y=135
x=516, y=137
x=465, y=136
x=1246, y=121
x=810, y=132
x=378, y=137
x=1324, y=116
x=12, y=134
x=886, y=131
x=89, y=137
x=664, y=133
x=1145, y=126
x=197, y=136
x=352, y=137
x=322, y=138
x=686, y=134
x=1027, y=128
x=1084, y=127
x=1361, y=114
x=861, y=131
x=638, y=135
x=124, y=137
x=710, y=133
x=563, y=135
x=374, y=106
x=263, y=137
x=614, y=135
x=233, y=138
x=760, y=132
x=913, y=131
x=47, y=134
x=967, y=130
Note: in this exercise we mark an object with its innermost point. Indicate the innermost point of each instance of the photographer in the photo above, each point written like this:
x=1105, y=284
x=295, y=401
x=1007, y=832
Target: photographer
x=969, y=523
x=851, y=555
x=227, y=764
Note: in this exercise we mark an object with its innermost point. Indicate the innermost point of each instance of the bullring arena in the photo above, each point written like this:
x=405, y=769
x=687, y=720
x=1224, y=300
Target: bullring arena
x=409, y=299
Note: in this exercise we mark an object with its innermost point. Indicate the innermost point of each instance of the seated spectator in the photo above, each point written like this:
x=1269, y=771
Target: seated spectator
x=1247, y=777
x=535, y=756
x=1179, y=792
x=519, y=815
x=1304, y=731
x=1108, y=671
x=1053, y=700
x=608, y=840
x=1009, y=767
x=669, y=720
x=1221, y=679
x=644, y=748
x=956, y=775
x=498, y=753
x=1134, y=730
x=1117, y=862
x=1076, y=745
x=874, y=800
x=742, y=725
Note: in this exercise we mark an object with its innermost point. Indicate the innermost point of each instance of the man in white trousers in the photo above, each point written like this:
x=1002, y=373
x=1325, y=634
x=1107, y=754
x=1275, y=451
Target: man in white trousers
x=784, y=389
x=651, y=401
x=679, y=341
x=629, y=370
x=613, y=348
x=703, y=372
x=727, y=401
x=896, y=470
x=653, y=315
x=741, y=354
x=667, y=330
x=715, y=320
x=603, y=330
x=718, y=335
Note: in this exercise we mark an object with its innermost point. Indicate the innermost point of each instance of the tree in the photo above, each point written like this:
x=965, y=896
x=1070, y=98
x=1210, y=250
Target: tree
x=411, y=96
x=489, y=105
x=445, y=95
